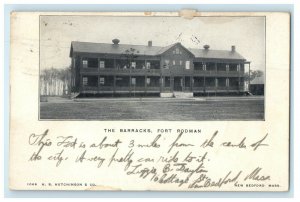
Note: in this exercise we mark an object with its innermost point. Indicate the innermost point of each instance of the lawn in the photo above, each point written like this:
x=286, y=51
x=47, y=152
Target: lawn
x=155, y=109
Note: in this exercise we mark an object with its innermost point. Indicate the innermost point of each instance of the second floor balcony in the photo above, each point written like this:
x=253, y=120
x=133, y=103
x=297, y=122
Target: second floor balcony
x=218, y=73
x=120, y=71
x=141, y=72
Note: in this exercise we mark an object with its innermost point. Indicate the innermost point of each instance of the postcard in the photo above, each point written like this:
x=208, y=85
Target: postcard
x=166, y=101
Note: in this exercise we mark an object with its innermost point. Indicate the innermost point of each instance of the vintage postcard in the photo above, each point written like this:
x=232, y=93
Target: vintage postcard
x=168, y=101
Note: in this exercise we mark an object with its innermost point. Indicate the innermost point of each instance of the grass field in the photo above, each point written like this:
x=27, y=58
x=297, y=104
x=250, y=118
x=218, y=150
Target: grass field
x=219, y=108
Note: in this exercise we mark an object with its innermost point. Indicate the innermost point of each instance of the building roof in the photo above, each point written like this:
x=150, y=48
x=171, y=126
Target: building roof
x=87, y=47
x=217, y=54
x=106, y=48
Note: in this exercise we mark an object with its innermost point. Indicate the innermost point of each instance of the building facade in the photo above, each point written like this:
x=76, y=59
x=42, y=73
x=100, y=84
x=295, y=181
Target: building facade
x=120, y=69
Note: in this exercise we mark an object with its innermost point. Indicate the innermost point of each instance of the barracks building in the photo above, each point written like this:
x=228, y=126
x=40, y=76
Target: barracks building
x=114, y=69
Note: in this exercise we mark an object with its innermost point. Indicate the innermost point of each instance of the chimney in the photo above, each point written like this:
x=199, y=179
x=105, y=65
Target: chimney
x=206, y=47
x=149, y=43
x=116, y=41
x=232, y=48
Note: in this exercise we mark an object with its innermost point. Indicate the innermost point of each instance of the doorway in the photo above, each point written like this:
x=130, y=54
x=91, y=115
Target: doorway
x=178, y=83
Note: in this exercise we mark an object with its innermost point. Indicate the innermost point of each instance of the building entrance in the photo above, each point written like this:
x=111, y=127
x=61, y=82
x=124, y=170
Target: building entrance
x=178, y=83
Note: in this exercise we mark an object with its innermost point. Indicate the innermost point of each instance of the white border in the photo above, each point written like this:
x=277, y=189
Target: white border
x=296, y=64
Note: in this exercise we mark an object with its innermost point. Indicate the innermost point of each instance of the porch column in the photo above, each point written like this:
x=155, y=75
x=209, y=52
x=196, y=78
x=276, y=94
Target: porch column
x=239, y=86
x=239, y=73
x=172, y=83
x=130, y=84
x=216, y=84
x=114, y=85
x=98, y=68
x=183, y=83
x=80, y=63
x=162, y=83
x=145, y=84
x=98, y=86
x=191, y=83
x=204, y=85
x=81, y=84
x=249, y=79
x=227, y=84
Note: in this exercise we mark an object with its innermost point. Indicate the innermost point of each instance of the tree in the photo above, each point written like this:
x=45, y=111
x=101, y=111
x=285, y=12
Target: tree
x=253, y=74
x=130, y=55
x=55, y=81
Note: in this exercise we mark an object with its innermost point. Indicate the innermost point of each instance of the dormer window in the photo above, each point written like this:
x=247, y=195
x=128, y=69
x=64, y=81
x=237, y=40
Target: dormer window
x=177, y=51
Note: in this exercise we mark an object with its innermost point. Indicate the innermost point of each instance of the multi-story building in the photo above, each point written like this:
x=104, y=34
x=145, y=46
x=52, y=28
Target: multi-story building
x=120, y=69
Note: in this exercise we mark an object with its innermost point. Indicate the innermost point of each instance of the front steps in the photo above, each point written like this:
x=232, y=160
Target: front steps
x=177, y=94
x=166, y=95
x=183, y=94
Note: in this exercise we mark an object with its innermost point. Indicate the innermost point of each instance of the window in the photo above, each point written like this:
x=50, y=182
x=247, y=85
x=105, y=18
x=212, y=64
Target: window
x=227, y=82
x=166, y=65
x=177, y=50
x=102, y=80
x=84, y=81
x=148, y=81
x=148, y=65
x=102, y=64
x=174, y=62
x=133, y=65
x=227, y=67
x=84, y=63
x=133, y=81
x=238, y=67
x=180, y=62
x=187, y=64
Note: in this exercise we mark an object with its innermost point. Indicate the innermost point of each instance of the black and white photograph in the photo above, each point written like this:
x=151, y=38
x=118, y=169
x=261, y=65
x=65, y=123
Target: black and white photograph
x=184, y=101
x=152, y=68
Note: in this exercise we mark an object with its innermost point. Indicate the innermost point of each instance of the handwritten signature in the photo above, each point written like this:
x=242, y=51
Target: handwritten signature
x=174, y=160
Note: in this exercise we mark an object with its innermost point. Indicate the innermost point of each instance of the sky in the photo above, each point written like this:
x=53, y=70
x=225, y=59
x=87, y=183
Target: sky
x=246, y=33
